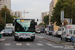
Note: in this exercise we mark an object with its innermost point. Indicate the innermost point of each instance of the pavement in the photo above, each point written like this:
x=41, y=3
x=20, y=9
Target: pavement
x=37, y=44
x=54, y=39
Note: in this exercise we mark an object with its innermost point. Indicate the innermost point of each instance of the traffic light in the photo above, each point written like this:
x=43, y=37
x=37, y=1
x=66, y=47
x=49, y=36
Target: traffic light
x=37, y=19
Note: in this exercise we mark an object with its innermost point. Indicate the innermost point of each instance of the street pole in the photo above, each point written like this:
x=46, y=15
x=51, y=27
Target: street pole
x=5, y=15
x=70, y=11
x=49, y=20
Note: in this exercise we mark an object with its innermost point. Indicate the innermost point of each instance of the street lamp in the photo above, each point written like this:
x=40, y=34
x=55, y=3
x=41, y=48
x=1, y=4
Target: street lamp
x=5, y=15
x=70, y=10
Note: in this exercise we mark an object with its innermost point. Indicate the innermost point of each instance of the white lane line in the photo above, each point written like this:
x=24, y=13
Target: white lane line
x=27, y=44
x=49, y=44
x=39, y=44
x=57, y=46
x=40, y=36
x=2, y=39
x=19, y=44
x=7, y=44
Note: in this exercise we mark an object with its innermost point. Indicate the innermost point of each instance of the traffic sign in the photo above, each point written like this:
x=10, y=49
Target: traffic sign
x=62, y=15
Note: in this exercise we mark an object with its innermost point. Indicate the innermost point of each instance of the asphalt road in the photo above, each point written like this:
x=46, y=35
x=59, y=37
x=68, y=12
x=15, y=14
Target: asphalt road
x=37, y=44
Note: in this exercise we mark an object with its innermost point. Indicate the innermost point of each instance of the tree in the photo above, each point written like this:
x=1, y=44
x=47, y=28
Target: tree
x=14, y=16
x=46, y=19
x=9, y=17
x=1, y=21
x=42, y=24
x=63, y=5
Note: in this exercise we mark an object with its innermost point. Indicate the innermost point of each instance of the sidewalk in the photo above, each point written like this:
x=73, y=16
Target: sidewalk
x=55, y=40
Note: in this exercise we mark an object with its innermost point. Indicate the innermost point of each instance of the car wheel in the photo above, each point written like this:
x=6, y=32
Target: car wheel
x=32, y=39
x=16, y=39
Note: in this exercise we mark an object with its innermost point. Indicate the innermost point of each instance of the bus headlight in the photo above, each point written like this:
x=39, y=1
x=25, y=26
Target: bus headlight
x=32, y=34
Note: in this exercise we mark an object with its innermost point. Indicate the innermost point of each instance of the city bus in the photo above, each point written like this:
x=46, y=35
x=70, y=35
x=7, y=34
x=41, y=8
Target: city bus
x=24, y=29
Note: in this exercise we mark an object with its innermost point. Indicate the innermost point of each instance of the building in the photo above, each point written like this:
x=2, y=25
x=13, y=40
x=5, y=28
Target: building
x=5, y=2
x=51, y=6
x=44, y=14
x=16, y=13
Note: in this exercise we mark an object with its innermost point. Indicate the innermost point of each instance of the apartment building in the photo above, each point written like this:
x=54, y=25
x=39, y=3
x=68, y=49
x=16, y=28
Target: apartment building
x=16, y=13
x=44, y=14
x=5, y=2
x=51, y=6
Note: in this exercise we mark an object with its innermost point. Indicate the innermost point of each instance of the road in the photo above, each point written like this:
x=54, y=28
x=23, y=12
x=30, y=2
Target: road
x=37, y=44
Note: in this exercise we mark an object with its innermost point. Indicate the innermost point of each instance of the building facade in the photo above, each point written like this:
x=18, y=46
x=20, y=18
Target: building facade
x=16, y=13
x=51, y=6
x=44, y=14
x=5, y=2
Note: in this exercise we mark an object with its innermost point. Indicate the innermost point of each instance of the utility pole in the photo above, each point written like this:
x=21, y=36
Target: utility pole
x=25, y=12
x=70, y=11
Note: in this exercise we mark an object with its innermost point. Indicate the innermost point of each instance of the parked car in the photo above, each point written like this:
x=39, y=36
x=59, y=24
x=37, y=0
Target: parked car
x=7, y=32
x=38, y=31
x=55, y=33
x=69, y=32
x=60, y=31
x=42, y=30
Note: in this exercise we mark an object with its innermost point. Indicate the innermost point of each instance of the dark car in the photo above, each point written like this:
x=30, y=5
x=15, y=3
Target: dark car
x=7, y=32
x=42, y=30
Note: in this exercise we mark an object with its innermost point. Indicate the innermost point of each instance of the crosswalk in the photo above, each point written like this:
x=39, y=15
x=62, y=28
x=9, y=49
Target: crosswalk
x=37, y=44
x=28, y=44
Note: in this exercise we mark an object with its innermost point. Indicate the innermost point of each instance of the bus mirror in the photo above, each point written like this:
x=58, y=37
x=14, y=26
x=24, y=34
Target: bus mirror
x=35, y=23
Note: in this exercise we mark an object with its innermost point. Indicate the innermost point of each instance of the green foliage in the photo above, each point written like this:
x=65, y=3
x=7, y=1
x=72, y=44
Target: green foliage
x=1, y=21
x=65, y=5
x=9, y=17
x=41, y=24
x=14, y=16
x=46, y=19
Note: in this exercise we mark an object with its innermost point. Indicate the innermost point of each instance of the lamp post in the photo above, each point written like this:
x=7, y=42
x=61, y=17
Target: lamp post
x=5, y=15
x=70, y=10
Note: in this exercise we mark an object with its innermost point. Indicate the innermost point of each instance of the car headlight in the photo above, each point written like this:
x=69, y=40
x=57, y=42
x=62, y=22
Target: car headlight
x=2, y=32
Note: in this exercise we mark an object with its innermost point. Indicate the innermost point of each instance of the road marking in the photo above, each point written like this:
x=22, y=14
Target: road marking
x=49, y=44
x=39, y=44
x=40, y=41
x=19, y=44
x=27, y=44
x=7, y=44
x=58, y=46
x=40, y=36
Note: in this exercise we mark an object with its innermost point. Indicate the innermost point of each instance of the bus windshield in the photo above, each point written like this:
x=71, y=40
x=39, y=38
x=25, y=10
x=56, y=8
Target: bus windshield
x=25, y=26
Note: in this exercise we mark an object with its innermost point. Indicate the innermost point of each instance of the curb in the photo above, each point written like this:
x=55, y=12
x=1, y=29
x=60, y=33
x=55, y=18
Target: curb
x=59, y=43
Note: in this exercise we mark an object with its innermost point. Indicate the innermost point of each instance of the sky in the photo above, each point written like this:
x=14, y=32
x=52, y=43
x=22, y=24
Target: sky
x=34, y=7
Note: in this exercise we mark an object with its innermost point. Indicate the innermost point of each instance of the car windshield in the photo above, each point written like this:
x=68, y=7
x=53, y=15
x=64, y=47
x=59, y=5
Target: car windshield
x=59, y=29
x=8, y=30
x=24, y=26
